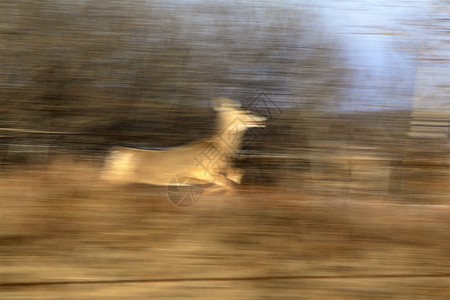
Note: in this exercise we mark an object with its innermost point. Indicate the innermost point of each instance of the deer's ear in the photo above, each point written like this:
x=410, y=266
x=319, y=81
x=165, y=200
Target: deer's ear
x=220, y=104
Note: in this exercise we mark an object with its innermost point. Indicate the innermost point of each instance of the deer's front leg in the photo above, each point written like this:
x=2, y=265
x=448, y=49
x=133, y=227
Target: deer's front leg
x=220, y=180
x=235, y=174
x=220, y=184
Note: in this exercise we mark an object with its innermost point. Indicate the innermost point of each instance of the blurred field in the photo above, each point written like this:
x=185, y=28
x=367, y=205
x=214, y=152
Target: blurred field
x=66, y=235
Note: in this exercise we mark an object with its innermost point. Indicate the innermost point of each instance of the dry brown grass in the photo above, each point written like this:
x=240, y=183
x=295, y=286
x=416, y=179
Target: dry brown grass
x=60, y=224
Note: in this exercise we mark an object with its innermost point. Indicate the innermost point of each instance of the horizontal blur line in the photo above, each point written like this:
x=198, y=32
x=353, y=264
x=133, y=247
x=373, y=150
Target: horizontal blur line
x=306, y=277
x=379, y=33
x=429, y=122
x=431, y=125
x=36, y=131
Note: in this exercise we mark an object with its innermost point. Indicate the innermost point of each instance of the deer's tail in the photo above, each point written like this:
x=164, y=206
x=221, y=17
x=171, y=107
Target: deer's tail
x=118, y=165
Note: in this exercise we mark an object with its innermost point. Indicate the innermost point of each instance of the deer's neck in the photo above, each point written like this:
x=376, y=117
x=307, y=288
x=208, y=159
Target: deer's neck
x=229, y=137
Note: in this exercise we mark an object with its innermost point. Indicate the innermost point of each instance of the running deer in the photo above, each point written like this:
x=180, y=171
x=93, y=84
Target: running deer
x=205, y=161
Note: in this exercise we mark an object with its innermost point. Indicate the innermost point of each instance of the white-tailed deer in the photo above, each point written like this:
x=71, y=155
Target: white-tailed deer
x=200, y=162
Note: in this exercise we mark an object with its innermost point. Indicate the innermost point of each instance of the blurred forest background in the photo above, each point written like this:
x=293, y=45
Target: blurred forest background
x=80, y=76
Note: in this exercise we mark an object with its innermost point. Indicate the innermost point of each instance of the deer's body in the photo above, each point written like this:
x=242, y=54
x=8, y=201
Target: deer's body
x=204, y=161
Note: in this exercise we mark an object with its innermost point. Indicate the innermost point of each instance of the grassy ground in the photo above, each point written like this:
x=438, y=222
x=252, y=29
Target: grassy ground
x=66, y=235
